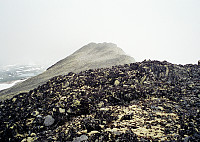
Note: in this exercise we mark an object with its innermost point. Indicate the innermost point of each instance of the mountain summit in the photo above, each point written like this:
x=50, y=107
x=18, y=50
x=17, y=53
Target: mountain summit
x=91, y=56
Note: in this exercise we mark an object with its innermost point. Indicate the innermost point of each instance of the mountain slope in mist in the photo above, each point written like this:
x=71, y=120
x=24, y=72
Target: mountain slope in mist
x=91, y=56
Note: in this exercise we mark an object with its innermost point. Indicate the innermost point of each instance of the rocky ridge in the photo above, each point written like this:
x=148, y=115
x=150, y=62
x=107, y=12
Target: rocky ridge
x=91, y=56
x=143, y=101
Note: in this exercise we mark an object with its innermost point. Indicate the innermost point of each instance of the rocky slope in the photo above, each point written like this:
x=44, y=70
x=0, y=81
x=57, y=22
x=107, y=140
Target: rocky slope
x=144, y=101
x=91, y=56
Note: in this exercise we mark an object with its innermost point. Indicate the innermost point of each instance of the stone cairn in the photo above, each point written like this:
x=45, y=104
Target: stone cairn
x=144, y=101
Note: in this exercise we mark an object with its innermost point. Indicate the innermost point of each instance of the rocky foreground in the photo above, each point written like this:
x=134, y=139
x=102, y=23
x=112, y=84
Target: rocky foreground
x=147, y=101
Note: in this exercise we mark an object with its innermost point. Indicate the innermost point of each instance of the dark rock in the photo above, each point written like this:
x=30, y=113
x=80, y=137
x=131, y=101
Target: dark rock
x=186, y=139
x=127, y=117
x=90, y=124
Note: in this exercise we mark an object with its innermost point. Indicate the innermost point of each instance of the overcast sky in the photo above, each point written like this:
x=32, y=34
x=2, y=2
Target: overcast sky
x=45, y=31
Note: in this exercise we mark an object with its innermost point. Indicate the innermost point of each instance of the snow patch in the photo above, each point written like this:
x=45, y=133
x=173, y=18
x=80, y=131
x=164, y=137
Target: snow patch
x=8, y=85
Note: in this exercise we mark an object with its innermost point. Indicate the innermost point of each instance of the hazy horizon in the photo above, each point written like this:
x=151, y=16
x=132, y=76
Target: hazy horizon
x=44, y=32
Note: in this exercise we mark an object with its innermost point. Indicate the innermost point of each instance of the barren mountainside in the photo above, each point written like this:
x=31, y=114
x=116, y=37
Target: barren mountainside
x=90, y=56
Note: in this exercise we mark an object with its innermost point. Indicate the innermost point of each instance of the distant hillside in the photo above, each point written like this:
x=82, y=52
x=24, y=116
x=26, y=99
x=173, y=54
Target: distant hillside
x=13, y=74
x=91, y=56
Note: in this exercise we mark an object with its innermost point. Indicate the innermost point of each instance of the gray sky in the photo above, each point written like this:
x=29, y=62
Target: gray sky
x=45, y=31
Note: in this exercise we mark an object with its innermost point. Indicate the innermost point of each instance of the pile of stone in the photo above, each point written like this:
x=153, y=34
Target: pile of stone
x=144, y=101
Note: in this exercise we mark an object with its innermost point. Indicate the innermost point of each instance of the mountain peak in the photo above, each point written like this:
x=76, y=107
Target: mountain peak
x=95, y=53
x=94, y=48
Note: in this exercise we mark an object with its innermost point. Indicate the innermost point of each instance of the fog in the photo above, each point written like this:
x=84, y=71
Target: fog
x=45, y=31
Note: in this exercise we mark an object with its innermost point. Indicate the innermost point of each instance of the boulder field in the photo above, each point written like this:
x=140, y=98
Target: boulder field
x=143, y=101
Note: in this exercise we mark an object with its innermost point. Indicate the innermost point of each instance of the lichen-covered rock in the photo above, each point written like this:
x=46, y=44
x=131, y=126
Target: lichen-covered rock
x=147, y=101
x=116, y=82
